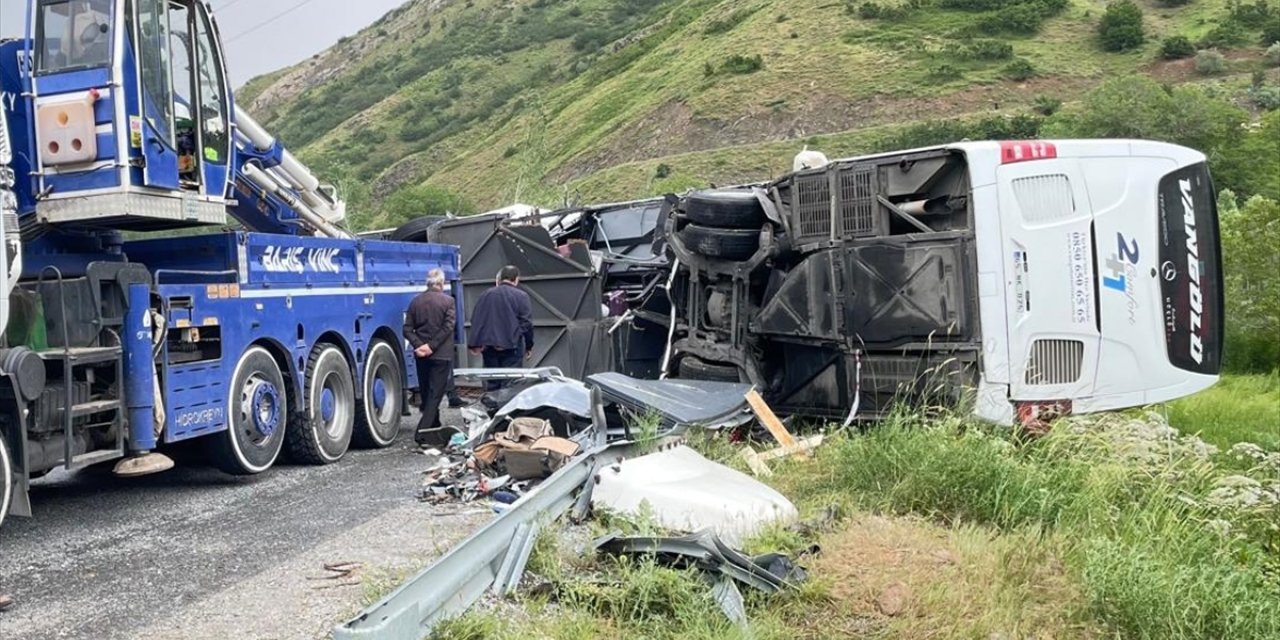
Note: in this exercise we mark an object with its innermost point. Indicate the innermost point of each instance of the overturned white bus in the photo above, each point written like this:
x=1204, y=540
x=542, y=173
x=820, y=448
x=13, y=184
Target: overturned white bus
x=1024, y=277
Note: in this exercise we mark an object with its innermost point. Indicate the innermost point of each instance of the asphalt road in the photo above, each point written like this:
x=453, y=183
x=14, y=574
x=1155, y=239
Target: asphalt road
x=194, y=553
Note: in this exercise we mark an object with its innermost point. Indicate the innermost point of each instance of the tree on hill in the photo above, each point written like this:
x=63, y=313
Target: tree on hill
x=420, y=200
x=1121, y=26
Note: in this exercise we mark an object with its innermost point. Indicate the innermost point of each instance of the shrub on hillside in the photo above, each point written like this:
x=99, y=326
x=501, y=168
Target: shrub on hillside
x=741, y=65
x=1228, y=33
x=1176, y=48
x=944, y=71
x=1140, y=107
x=1019, y=127
x=1271, y=30
x=981, y=49
x=1272, y=56
x=1121, y=26
x=1174, y=3
x=1021, y=18
x=1266, y=97
x=1046, y=105
x=879, y=11
x=421, y=200
x=1209, y=63
x=1251, y=258
x=1019, y=70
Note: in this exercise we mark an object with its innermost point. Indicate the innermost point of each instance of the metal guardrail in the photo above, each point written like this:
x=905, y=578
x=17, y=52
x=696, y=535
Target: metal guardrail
x=493, y=557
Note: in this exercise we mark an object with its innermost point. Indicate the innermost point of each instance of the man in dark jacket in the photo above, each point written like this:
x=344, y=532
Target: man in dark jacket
x=502, y=325
x=428, y=326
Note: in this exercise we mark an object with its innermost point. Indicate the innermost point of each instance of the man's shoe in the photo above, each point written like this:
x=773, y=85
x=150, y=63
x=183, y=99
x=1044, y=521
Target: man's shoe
x=456, y=402
x=5, y=601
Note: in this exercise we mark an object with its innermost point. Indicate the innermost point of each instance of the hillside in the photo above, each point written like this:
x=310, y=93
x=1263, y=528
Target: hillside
x=542, y=100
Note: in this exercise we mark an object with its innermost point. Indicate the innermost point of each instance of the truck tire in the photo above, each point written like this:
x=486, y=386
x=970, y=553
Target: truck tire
x=6, y=479
x=695, y=368
x=378, y=417
x=728, y=244
x=416, y=230
x=725, y=208
x=257, y=412
x=322, y=429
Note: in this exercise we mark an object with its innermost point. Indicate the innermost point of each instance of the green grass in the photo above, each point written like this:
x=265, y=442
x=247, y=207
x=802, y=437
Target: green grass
x=1131, y=506
x=1240, y=408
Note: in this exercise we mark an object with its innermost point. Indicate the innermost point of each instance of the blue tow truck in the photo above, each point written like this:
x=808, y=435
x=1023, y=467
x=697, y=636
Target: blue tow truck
x=280, y=336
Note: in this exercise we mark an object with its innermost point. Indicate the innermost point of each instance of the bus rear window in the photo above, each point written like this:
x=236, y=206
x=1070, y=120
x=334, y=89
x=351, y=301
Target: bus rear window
x=1191, y=270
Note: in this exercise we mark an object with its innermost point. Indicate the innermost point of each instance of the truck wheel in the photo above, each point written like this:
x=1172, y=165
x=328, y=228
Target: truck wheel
x=729, y=244
x=695, y=368
x=6, y=479
x=378, y=417
x=257, y=410
x=725, y=208
x=322, y=431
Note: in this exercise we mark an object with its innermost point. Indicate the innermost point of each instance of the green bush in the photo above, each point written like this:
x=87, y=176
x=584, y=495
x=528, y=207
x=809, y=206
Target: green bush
x=1251, y=260
x=1271, y=30
x=1121, y=26
x=1177, y=47
x=1266, y=97
x=662, y=171
x=1139, y=107
x=1019, y=70
x=945, y=71
x=741, y=65
x=1046, y=105
x=1229, y=33
x=981, y=49
x=421, y=200
x=1209, y=63
x=877, y=11
x=727, y=23
x=1272, y=56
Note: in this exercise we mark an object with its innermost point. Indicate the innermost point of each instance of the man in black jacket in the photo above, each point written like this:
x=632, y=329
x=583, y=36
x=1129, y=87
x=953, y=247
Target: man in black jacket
x=502, y=325
x=428, y=326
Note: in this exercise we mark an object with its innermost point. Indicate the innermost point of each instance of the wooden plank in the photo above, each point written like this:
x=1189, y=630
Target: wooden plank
x=754, y=462
x=802, y=447
x=769, y=419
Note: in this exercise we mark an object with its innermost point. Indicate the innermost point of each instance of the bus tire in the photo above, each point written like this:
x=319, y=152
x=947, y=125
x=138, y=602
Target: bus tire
x=695, y=368
x=6, y=479
x=416, y=230
x=725, y=208
x=727, y=244
x=378, y=416
x=322, y=429
x=257, y=412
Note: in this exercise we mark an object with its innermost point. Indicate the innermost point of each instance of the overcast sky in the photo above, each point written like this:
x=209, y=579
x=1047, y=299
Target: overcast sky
x=305, y=28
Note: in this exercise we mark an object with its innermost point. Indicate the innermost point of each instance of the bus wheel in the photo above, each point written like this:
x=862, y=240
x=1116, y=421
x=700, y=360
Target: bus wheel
x=378, y=420
x=6, y=479
x=322, y=431
x=257, y=410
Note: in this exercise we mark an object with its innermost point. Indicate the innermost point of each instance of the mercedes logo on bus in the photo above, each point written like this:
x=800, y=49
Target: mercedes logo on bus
x=1169, y=271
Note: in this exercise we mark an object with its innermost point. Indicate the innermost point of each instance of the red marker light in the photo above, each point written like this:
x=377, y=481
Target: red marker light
x=1026, y=150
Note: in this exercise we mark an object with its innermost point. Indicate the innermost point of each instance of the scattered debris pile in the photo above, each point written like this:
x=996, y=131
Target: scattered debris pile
x=545, y=445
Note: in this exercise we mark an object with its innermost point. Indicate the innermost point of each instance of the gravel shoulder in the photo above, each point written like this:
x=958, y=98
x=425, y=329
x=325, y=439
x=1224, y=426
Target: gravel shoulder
x=193, y=553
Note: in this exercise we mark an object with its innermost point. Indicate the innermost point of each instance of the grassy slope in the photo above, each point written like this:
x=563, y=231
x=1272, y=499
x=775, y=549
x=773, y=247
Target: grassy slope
x=1240, y=408
x=537, y=99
